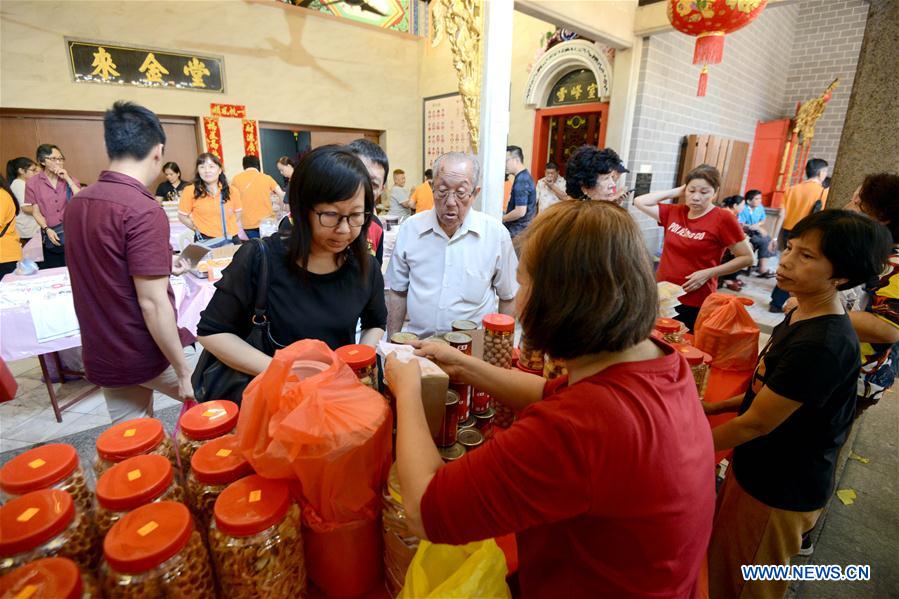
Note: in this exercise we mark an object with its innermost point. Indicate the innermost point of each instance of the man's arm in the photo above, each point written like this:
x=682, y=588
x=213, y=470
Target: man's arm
x=507, y=307
x=516, y=213
x=159, y=316
x=871, y=328
x=396, y=311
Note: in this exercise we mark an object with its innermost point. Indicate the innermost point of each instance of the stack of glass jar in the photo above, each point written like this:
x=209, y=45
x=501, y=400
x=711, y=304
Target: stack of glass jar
x=400, y=544
x=700, y=363
x=52, y=466
x=46, y=523
x=212, y=468
x=130, y=484
x=132, y=438
x=363, y=360
x=156, y=551
x=49, y=578
x=201, y=424
x=255, y=540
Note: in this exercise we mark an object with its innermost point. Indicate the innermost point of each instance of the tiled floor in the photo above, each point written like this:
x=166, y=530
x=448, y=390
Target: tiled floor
x=29, y=419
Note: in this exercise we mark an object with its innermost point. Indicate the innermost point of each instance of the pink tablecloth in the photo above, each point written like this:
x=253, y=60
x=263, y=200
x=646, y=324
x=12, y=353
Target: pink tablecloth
x=18, y=338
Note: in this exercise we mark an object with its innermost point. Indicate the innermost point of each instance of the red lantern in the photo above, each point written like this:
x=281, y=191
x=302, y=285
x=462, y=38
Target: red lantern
x=710, y=21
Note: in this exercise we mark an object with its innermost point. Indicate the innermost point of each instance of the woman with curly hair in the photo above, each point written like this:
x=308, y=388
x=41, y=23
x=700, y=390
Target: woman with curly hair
x=592, y=174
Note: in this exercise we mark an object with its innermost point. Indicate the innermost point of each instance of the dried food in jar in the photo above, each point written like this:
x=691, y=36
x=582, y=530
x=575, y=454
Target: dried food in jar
x=45, y=523
x=49, y=578
x=141, y=436
x=130, y=484
x=400, y=544
x=363, y=360
x=156, y=551
x=499, y=331
x=553, y=368
x=700, y=364
x=672, y=330
x=215, y=466
x=255, y=540
x=529, y=357
x=51, y=466
x=202, y=423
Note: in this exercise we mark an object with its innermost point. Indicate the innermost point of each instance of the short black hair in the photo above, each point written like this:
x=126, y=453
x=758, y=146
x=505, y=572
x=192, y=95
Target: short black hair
x=879, y=198
x=43, y=151
x=814, y=166
x=613, y=157
x=731, y=201
x=171, y=166
x=131, y=131
x=856, y=246
x=515, y=151
x=584, y=168
x=552, y=165
x=250, y=161
x=750, y=195
x=429, y=174
x=370, y=150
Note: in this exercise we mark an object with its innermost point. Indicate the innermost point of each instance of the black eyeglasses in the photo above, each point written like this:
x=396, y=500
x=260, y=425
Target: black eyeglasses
x=332, y=219
x=442, y=194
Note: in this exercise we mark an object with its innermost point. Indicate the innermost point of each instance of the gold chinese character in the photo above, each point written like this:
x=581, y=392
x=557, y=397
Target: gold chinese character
x=153, y=69
x=197, y=70
x=105, y=65
x=591, y=91
x=216, y=109
x=576, y=91
x=560, y=95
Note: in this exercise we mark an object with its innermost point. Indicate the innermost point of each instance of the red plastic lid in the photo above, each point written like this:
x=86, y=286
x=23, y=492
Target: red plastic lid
x=134, y=482
x=220, y=462
x=500, y=323
x=46, y=578
x=148, y=536
x=667, y=325
x=251, y=505
x=210, y=419
x=38, y=468
x=31, y=520
x=128, y=439
x=694, y=356
x=357, y=356
x=528, y=370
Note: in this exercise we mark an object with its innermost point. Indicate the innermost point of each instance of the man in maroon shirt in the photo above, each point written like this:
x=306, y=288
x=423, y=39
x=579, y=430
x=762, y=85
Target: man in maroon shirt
x=119, y=262
x=46, y=198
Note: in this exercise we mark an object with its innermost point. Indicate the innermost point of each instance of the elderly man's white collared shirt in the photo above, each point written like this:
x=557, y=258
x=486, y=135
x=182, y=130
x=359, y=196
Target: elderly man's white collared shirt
x=451, y=279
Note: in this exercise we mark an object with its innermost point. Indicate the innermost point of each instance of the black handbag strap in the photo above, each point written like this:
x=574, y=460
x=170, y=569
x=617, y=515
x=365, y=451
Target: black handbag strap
x=6, y=228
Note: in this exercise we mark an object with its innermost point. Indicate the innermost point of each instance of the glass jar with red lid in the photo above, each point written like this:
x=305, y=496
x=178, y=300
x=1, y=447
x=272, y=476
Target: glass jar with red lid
x=672, y=330
x=202, y=423
x=363, y=360
x=51, y=466
x=255, y=540
x=212, y=468
x=499, y=331
x=131, y=438
x=156, y=551
x=45, y=523
x=700, y=364
x=49, y=578
x=553, y=368
x=130, y=484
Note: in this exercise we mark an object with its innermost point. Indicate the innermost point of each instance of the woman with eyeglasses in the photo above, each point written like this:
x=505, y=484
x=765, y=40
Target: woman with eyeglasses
x=322, y=279
x=46, y=198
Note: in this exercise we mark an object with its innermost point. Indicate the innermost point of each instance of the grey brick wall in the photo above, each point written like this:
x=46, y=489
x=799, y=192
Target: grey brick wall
x=826, y=45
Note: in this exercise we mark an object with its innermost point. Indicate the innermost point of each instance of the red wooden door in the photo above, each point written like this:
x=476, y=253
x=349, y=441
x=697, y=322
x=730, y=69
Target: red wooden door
x=767, y=153
x=558, y=131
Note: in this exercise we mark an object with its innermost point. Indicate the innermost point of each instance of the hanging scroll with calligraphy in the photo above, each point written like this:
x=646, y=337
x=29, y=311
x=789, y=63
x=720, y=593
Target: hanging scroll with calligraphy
x=213, y=135
x=250, y=138
x=96, y=62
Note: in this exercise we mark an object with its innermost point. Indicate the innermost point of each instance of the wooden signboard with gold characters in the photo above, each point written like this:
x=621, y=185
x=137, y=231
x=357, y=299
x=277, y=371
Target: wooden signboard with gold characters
x=99, y=62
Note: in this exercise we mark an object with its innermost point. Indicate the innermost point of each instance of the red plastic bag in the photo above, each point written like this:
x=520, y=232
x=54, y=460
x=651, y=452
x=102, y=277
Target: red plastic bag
x=309, y=418
x=726, y=331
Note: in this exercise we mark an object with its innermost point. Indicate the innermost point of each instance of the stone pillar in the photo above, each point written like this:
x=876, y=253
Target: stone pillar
x=870, y=140
x=495, y=87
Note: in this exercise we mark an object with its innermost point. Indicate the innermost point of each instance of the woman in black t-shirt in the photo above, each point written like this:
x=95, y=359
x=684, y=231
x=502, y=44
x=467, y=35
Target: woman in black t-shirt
x=322, y=280
x=798, y=410
x=170, y=189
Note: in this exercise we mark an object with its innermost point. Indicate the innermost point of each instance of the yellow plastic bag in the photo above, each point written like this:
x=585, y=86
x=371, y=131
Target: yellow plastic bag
x=473, y=570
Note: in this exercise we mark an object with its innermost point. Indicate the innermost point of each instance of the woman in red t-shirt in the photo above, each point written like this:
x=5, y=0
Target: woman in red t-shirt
x=696, y=235
x=606, y=477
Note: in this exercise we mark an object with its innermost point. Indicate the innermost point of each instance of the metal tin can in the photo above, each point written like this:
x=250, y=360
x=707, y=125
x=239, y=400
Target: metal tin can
x=464, y=325
x=451, y=453
x=403, y=338
x=470, y=439
x=449, y=424
x=484, y=423
x=460, y=341
x=464, y=391
x=480, y=401
x=435, y=339
x=467, y=423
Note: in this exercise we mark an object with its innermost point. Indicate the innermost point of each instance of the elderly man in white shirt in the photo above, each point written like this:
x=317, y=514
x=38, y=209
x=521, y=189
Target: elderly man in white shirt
x=551, y=188
x=450, y=263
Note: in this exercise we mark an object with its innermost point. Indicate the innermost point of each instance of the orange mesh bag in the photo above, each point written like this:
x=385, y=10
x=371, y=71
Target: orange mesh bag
x=726, y=331
x=307, y=417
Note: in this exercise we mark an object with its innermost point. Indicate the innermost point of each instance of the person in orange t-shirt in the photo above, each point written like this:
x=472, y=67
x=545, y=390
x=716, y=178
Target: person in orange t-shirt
x=256, y=189
x=799, y=202
x=423, y=195
x=10, y=248
x=209, y=206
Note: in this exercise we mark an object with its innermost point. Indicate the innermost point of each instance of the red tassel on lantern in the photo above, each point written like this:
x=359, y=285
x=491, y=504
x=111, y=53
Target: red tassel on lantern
x=703, y=81
x=709, y=48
